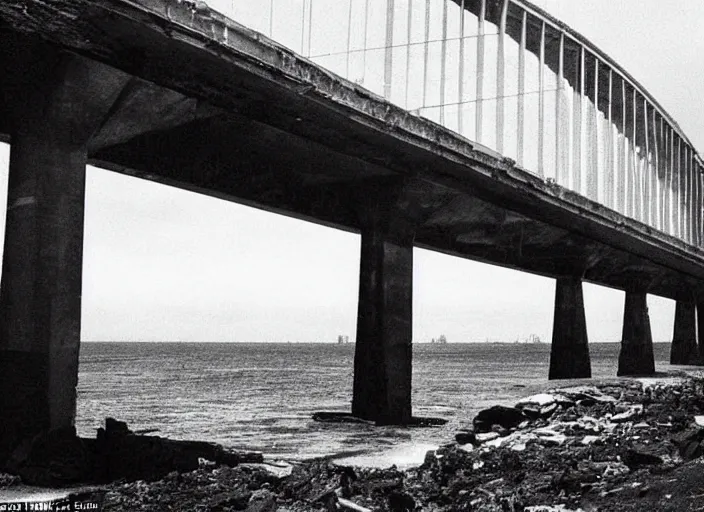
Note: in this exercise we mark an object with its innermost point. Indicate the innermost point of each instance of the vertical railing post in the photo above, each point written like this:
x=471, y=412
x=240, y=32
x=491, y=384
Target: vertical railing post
x=500, y=77
x=699, y=210
x=271, y=19
x=695, y=199
x=349, y=44
x=691, y=196
x=388, y=51
x=541, y=104
x=698, y=202
x=521, y=98
x=578, y=107
x=364, y=44
x=310, y=25
x=623, y=160
x=647, y=174
x=636, y=181
x=666, y=169
x=609, y=147
x=684, y=196
x=594, y=182
x=664, y=184
x=657, y=219
x=426, y=50
x=670, y=179
x=696, y=236
x=561, y=169
x=303, y=26
x=687, y=194
x=480, y=71
x=676, y=182
x=443, y=61
x=409, y=35
x=460, y=85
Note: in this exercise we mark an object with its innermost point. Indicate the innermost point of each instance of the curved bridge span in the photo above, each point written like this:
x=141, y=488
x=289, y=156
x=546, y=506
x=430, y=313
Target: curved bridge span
x=509, y=76
x=484, y=129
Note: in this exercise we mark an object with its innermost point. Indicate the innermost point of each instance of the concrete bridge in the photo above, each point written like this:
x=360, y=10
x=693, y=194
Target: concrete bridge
x=544, y=156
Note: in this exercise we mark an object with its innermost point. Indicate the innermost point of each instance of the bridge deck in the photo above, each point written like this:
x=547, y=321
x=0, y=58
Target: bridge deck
x=217, y=108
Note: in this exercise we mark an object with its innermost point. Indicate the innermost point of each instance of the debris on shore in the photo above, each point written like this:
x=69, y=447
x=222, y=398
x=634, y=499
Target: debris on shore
x=628, y=445
x=59, y=457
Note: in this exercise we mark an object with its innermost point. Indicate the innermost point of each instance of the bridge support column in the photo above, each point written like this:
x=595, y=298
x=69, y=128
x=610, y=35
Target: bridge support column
x=684, y=338
x=636, y=356
x=569, y=354
x=40, y=293
x=383, y=353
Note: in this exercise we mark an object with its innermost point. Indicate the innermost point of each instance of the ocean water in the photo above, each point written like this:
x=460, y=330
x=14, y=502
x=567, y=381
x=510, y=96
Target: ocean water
x=261, y=396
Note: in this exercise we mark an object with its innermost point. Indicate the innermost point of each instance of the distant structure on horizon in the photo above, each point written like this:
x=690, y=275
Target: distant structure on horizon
x=342, y=339
x=531, y=339
x=442, y=340
x=534, y=338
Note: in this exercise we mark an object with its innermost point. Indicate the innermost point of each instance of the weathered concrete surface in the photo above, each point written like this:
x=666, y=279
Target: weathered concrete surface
x=569, y=354
x=390, y=211
x=684, y=338
x=52, y=116
x=383, y=352
x=636, y=356
x=290, y=137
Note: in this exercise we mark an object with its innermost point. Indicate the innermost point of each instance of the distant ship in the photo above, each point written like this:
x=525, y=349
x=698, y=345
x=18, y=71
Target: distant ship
x=342, y=339
x=533, y=338
x=442, y=340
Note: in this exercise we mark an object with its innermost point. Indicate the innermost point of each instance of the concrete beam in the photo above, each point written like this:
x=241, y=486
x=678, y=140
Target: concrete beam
x=684, y=338
x=64, y=98
x=569, y=354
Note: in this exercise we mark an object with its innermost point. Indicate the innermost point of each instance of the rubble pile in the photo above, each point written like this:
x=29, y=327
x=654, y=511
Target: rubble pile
x=624, y=446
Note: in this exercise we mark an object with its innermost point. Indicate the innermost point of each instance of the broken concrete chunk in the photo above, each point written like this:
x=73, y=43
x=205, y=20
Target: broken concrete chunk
x=486, y=436
x=629, y=415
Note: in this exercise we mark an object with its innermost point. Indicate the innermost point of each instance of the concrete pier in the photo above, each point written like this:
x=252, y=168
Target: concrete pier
x=569, y=354
x=40, y=294
x=684, y=338
x=383, y=353
x=636, y=356
x=389, y=213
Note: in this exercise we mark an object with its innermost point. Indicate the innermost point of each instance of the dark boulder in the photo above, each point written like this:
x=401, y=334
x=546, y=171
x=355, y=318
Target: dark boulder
x=506, y=417
x=56, y=458
x=689, y=443
x=635, y=459
x=465, y=437
x=401, y=502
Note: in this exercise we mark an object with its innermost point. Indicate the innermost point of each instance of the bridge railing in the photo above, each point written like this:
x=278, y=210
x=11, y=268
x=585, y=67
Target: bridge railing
x=511, y=77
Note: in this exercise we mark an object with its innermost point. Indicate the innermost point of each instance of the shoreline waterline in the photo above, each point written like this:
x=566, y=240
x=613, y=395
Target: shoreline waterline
x=262, y=396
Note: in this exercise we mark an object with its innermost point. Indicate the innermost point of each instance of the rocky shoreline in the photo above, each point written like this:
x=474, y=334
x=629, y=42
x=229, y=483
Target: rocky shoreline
x=618, y=446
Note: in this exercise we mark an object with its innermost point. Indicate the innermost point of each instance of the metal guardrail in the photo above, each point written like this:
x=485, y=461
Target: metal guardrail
x=508, y=75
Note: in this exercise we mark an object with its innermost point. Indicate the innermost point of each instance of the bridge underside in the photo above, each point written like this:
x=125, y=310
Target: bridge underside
x=239, y=119
x=170, y=95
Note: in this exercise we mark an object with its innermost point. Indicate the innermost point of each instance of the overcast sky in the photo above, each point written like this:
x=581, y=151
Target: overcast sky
x=166, y=264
